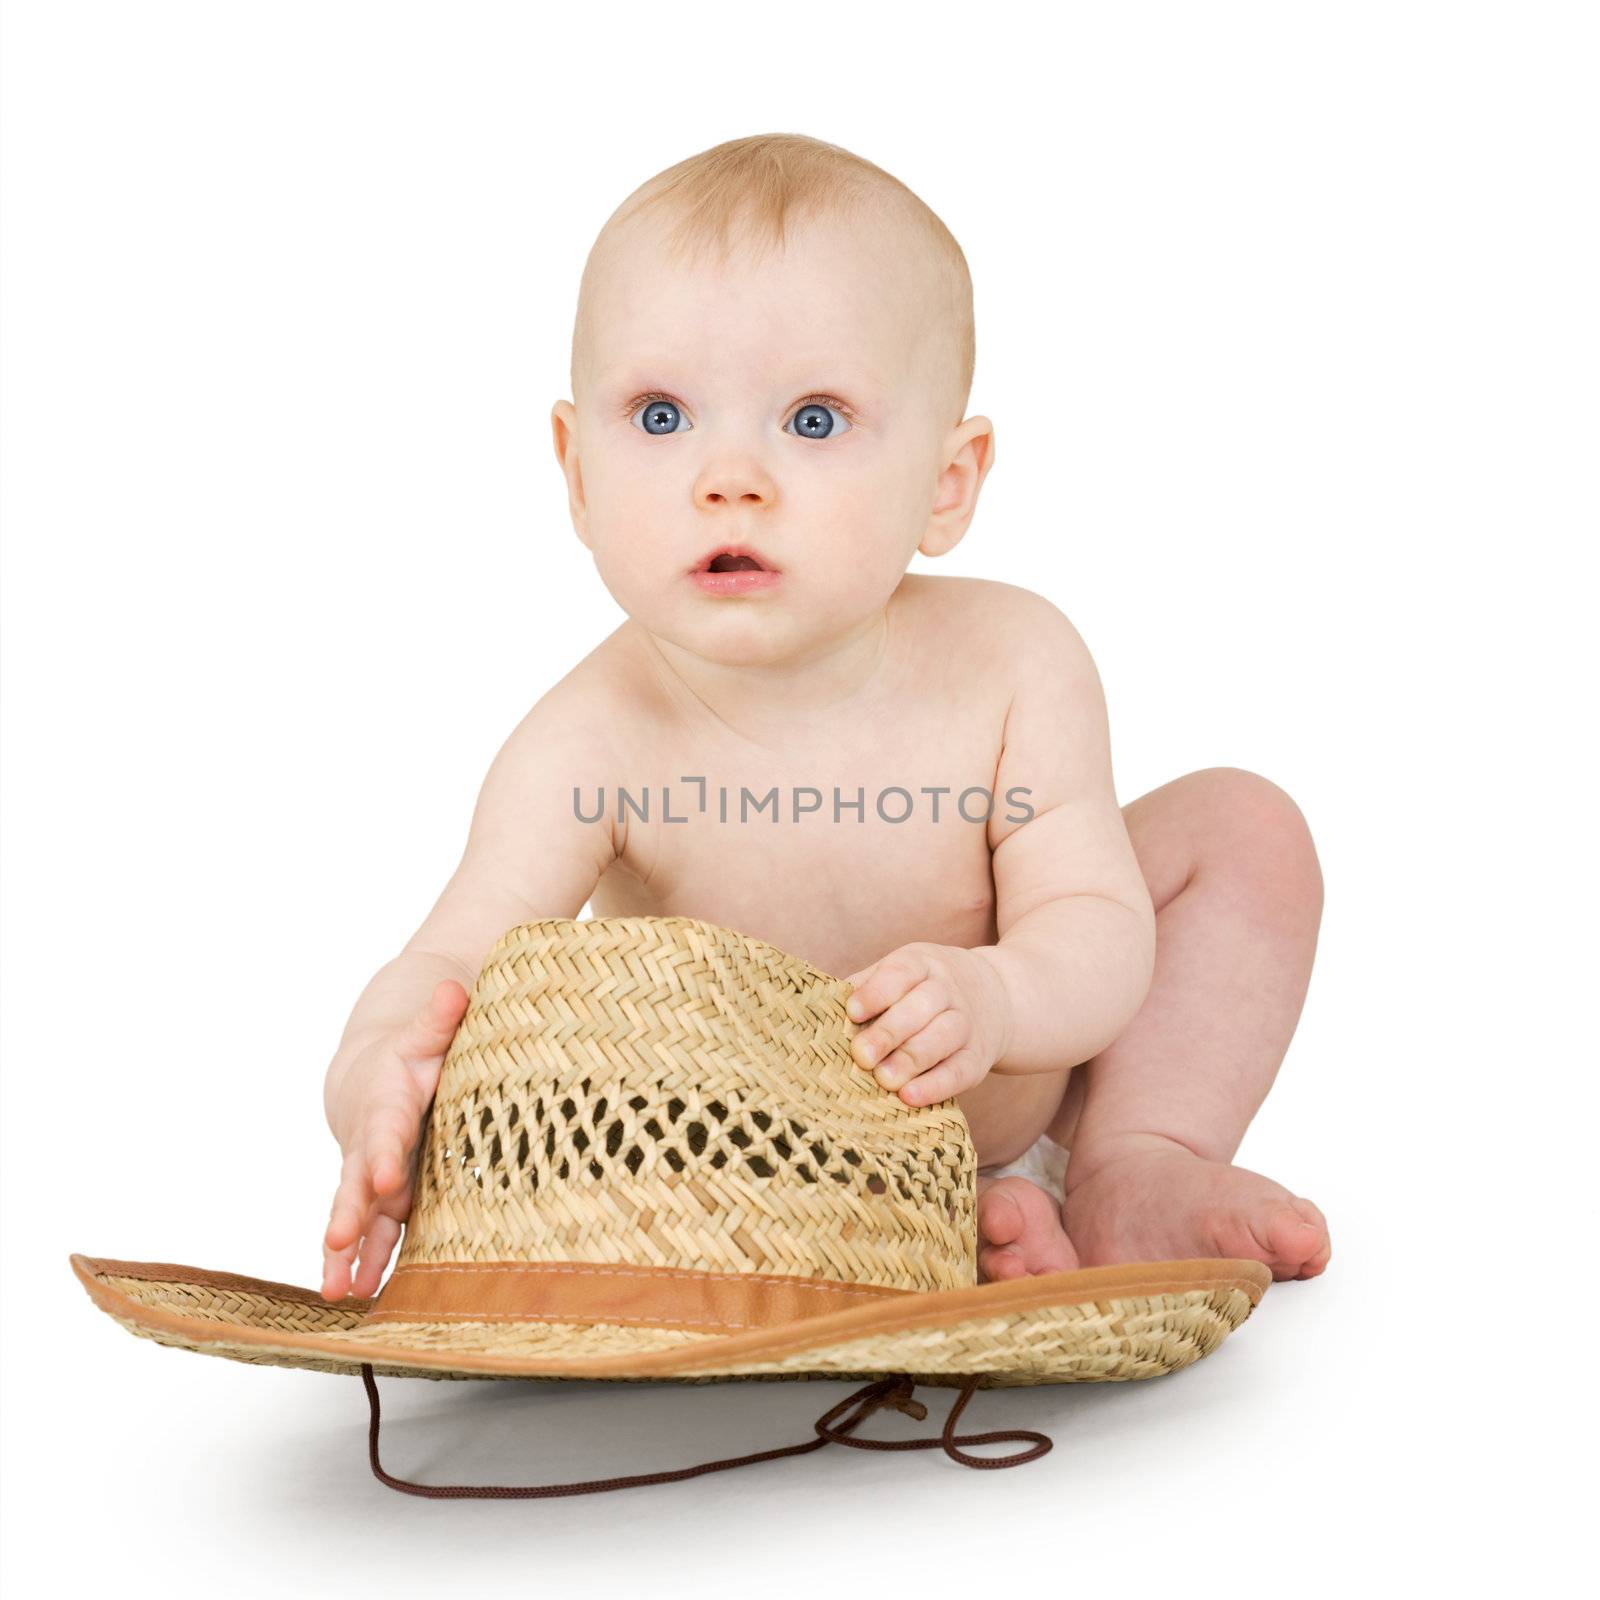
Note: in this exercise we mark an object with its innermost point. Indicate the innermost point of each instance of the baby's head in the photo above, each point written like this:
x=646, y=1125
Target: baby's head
x=773, y=350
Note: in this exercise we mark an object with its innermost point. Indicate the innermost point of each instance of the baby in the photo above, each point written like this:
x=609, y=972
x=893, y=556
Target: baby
x=905, y=779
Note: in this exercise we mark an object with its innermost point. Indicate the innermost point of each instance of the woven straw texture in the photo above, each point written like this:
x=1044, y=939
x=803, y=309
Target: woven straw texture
x=665, y=1093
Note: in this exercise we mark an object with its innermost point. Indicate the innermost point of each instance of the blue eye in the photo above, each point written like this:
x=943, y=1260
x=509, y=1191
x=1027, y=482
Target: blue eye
x=814, y=420
x=662, y=416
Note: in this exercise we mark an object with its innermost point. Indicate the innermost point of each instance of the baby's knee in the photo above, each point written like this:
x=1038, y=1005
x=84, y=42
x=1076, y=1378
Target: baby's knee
x=1255, y=831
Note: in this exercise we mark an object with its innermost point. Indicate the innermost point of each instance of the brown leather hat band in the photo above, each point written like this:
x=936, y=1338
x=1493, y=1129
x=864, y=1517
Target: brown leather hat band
x=582, y=1291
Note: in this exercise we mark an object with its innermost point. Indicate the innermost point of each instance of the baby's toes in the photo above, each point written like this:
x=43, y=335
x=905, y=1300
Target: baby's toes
x=1259, y=1220
x=1000, y=1218
x=1020, y=1232
x=1297, y=1236
x=1000, y=1223
x=1317, y=1262
x=999, y=1262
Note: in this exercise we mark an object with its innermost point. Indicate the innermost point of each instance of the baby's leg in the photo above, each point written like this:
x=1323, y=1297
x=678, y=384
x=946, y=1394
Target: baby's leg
x=1020, y=1228
x=1006, y=1113
x=1238, y=896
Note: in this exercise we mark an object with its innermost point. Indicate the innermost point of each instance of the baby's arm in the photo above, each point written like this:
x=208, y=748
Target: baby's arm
x=1076, y=951
x=527, y=856
x=1076, y=925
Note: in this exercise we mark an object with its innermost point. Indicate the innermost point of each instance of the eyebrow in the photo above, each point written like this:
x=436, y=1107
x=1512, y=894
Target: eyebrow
x=638, y=375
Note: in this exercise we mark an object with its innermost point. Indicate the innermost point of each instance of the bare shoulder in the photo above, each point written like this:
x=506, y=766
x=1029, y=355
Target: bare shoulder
x=598, y=708
x=532, y=851
x=606, y=671
x=1004, y=621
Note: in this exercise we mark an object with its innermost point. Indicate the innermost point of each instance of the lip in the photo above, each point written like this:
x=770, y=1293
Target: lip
x=748, y=581
x=735, y=582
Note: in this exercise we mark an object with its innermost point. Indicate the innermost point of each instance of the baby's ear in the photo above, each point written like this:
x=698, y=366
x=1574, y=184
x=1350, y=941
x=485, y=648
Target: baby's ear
x=563, y=429
x=971, y=454
x=564, y=432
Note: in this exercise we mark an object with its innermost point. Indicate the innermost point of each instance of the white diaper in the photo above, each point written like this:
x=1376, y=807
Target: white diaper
x=1044, y=1163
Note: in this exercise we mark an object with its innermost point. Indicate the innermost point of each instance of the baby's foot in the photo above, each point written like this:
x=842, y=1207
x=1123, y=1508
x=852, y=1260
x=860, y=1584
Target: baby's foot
x=1019, y=1231
x=1161, y=1202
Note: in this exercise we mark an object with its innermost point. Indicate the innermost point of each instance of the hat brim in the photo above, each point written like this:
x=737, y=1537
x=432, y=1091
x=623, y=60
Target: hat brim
x=1096, y=1324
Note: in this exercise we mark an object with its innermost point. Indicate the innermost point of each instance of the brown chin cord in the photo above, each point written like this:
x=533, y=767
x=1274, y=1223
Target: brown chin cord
x=893, y=1393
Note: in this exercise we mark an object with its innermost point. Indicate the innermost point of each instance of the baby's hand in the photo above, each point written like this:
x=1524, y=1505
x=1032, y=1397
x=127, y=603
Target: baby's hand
x=946, y=1019
x=382, y=1099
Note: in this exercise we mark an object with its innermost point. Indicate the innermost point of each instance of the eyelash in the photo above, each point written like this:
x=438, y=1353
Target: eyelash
x=838, y=405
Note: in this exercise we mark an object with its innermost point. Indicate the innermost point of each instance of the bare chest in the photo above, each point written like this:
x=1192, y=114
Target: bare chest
x=836, y=850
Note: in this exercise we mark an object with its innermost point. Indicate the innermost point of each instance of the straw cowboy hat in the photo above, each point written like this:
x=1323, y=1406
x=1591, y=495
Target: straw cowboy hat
x=652, y=1156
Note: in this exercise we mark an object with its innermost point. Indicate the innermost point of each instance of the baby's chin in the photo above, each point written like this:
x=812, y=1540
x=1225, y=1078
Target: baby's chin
x=744, y=634
x=745, y=640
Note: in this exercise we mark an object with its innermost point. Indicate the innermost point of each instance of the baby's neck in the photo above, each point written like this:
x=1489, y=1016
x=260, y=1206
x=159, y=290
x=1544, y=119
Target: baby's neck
x=839, y=676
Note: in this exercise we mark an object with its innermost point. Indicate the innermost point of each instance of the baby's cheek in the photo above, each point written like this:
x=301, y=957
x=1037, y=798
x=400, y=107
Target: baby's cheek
x=857, y=573
x=630, y=574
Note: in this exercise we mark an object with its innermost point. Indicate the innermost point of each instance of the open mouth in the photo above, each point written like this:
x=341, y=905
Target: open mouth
x=734, y=558
x=734, y=570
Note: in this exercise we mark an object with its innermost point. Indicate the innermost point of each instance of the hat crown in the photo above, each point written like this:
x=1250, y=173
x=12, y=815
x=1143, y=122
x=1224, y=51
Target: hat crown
x=667, y=1093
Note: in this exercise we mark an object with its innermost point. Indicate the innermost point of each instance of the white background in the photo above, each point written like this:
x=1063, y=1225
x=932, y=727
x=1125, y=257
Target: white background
x=1287, y=323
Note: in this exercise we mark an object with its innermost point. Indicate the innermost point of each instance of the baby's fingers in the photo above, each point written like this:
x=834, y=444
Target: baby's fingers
x=351, y=1204
x=912, y=1063
x=882, y=983
x=427, y=1035
x=954, y=1075
x=901, y=1022
x=359, y=1223
x=391, y=1137
x=376, y=1248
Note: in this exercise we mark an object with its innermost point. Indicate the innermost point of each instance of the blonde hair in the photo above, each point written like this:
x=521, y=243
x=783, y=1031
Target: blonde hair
x=744, y=191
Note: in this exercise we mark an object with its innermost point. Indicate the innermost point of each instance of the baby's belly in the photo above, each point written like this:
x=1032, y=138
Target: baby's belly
x=839, y=894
